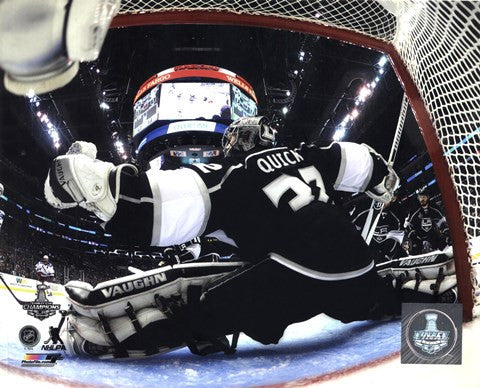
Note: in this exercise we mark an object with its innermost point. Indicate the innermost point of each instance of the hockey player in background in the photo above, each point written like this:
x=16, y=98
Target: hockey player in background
x=274, y=203
x=44, y=270
x=387, y=236
x=427, y=229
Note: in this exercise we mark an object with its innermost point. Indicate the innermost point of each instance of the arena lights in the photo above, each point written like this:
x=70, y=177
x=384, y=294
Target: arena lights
x=34, y=99
x=364, y=93
x=44, y=119
x=382, y=61
x=50, y=128
x=120, y=148
x=285, y=110
x=104, y=105
x=339, y=134
x=41, y=230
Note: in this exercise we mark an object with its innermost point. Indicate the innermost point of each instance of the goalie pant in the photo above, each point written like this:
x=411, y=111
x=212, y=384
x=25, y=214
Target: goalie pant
x=310, y=257
x=264, y=299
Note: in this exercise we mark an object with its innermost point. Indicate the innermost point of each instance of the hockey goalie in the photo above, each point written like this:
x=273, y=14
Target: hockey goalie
x=301, y=255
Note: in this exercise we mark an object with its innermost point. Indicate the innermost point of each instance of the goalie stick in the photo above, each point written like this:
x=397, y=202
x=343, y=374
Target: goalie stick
x=376, y=207
x=20, y=302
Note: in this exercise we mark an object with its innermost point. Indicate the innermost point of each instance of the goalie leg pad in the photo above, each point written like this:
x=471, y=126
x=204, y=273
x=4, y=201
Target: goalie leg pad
x=93, y=330
x=143, y=289
x=428, y=266
x=145, y=313
x=440, y=290
x=151, y=333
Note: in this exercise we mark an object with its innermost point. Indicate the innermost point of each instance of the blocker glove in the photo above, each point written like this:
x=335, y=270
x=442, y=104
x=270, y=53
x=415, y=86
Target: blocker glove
x=384, y=179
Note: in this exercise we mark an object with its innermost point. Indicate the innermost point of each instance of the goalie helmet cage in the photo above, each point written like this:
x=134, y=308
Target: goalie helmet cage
x=434, y=49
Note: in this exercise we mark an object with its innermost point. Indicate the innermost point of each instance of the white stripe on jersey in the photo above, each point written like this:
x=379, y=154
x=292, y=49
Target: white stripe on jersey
x=329, y=277
x=356, y=168
x=135, y=200
x=220, y=235
x=181, y=206
x=262, y=152
x=222, y=181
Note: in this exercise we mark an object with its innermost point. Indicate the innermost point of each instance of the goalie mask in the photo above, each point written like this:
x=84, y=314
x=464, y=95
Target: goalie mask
x=246, y=133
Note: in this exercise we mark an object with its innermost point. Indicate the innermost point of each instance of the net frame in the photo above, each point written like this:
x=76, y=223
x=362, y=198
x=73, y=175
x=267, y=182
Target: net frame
x=393, y=28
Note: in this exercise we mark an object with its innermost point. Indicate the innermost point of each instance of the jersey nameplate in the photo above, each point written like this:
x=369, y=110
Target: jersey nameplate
x=269, y=163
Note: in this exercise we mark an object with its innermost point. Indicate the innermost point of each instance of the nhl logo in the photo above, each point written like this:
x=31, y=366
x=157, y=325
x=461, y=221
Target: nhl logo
x=430, y=336
x=29, y=336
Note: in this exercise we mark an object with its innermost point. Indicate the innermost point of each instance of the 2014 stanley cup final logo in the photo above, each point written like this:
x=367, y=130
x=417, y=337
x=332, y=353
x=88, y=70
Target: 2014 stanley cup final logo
x=431, y=335
x=431, y=340
x=39, y=308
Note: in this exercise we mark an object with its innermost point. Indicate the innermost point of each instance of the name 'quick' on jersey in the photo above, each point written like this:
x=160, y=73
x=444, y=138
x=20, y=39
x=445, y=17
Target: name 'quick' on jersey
x=268, y=197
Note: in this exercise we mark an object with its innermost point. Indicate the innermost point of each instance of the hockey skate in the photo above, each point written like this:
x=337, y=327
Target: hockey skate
x=77, y=178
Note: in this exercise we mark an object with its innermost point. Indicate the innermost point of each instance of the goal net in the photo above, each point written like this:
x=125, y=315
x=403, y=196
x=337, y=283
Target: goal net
x=433, y=47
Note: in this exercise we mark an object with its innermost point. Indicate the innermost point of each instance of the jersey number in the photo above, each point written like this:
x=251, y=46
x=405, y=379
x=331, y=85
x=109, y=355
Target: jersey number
x=303, y=192
x=206, y=168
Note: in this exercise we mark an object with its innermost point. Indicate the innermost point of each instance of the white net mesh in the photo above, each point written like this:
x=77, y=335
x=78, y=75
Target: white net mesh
x=369, y=18
x=438, y=42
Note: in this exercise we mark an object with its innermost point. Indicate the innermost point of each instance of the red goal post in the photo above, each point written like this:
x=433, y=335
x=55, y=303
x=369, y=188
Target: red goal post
x=433, y=47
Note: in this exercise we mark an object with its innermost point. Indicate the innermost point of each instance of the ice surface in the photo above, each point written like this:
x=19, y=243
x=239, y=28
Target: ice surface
x=318, y=346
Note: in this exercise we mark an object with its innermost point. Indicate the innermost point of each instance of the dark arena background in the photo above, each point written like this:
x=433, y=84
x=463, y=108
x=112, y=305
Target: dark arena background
x=314, y=86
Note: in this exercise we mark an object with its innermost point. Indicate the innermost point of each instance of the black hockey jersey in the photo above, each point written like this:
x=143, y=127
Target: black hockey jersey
x=276, y=200
x=384, y=248
x=279, y=200
x=427, y=224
